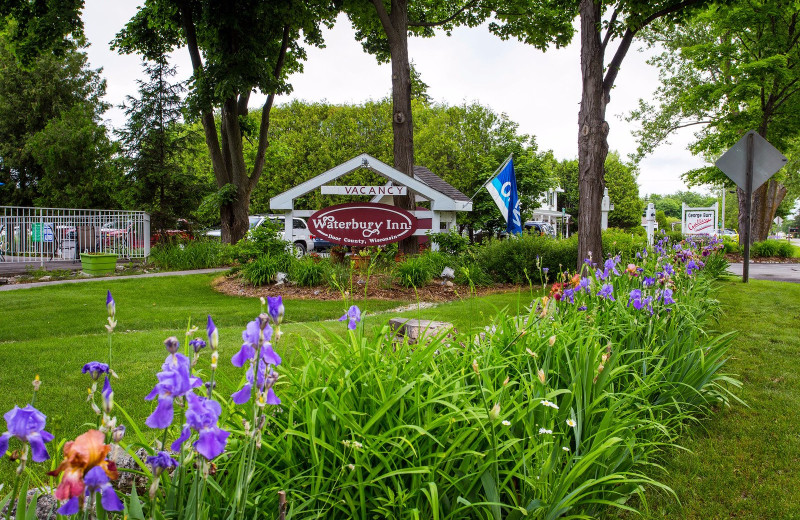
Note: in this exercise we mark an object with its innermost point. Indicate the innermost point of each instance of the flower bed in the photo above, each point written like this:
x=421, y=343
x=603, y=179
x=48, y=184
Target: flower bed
x=555, y=412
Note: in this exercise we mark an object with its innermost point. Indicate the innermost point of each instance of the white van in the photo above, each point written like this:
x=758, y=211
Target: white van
x=302, y=241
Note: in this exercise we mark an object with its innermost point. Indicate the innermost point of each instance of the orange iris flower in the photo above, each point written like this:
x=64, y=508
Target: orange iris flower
x=85, y=452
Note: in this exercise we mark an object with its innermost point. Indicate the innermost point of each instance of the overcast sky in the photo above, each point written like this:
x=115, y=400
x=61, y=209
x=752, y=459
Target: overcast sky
x=540, y=91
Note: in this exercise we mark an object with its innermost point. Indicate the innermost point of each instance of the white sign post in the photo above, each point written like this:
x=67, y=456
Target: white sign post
x=605, y=207
x=651, y=223
x=699, y=221
x=750, y=163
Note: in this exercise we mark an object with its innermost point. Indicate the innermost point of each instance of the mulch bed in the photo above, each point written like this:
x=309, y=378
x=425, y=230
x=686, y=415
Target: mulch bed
x=765, y=260
x=380, y=287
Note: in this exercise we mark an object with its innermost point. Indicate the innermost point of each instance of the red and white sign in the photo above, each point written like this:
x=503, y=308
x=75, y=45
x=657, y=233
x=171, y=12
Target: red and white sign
x=362, y=224
x=364, y=190
x=700, y=222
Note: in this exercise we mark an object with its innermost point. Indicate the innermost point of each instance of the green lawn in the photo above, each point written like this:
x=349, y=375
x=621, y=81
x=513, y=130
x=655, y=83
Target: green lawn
x=743, y=462
x=52, y=331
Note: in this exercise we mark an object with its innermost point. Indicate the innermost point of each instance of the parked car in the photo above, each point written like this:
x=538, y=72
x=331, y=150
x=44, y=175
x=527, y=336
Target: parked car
x=302, y=240
x=540, y=228
x=731, y=234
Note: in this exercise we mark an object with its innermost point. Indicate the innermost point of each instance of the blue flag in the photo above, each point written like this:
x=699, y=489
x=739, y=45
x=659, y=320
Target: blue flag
x=503, y=189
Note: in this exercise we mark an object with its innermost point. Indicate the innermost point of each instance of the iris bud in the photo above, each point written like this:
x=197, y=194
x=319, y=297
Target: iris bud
x=118, y=433
x=172, y=344
x=494, y=413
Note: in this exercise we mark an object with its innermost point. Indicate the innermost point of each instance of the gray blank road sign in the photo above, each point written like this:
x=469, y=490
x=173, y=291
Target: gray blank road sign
x=766, y=161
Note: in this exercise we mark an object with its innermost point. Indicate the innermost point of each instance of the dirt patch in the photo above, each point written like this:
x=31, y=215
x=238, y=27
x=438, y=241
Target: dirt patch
x=380, y=287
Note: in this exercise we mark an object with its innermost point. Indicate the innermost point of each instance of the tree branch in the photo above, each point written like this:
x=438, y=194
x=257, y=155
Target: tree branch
x=466, y=6
x=221, y=172
x=627, y=39
x=383, y=16
x=610, y=30
x=263, y=131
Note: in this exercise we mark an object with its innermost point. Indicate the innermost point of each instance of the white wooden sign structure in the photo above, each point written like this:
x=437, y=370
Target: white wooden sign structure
x=699, y=221
x=443, y=206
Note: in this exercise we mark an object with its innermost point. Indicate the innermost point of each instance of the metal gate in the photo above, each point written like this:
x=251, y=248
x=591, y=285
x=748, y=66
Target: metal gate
x=38, y=235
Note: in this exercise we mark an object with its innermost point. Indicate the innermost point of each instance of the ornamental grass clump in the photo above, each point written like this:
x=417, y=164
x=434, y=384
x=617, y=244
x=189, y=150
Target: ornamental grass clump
x=559, y=412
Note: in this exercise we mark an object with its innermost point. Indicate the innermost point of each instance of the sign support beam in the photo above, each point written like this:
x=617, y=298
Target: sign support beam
x=748, y=207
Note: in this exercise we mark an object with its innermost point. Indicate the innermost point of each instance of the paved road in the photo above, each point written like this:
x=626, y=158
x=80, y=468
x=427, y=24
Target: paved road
x=18, y=286
x=773, y=272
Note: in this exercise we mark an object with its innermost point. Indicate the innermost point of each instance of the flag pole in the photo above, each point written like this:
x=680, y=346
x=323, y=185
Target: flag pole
x=492, y=176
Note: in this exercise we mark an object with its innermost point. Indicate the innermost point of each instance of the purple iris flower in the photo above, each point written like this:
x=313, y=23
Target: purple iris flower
x=569, y=294
x=203, y=415
x=264, y=383
x=174, y=380
x=250, y=338
x=161, y=461
x=70, y=507
x=585, y=285
x=648, y=302
x=110, y=305
x=607, y=292
x=635, y=297
x=197, y=344
x=691, y=266
x=96, y=481
x=545, y=270
x=602, y=275
x=611, y=265
x=582, y=308
x=108, y=396
x=666, y=297
x=213, y=334
x=95, y=368
x=275, y=309
x=27, y=424
x=668, y=269
x=353, y=314
x=648, y=281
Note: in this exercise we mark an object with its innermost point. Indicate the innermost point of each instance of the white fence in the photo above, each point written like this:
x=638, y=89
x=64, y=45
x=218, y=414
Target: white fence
x=38, y=235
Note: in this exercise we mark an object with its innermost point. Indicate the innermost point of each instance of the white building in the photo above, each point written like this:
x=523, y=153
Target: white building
x=548, y=211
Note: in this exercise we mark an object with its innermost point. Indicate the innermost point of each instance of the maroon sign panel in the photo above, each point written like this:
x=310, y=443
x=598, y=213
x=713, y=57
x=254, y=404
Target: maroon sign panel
x=362, y=224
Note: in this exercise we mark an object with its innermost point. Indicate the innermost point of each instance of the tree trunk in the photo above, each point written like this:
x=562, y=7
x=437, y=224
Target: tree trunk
x=395, y=25
x=766, y=200
x=592, y=135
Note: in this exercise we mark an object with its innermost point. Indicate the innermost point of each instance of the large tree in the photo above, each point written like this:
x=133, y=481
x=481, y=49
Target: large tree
x=236, y=47
x=383, y=28
x=731, y=69
x=602, y=24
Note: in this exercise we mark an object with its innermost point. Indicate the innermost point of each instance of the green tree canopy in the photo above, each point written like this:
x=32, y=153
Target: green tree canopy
x=54, y=151
x=153, y=141
x=729, y=70
x=236, y=47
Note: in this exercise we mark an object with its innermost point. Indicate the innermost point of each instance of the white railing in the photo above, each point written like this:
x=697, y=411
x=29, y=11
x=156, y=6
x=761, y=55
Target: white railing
x=38, y=235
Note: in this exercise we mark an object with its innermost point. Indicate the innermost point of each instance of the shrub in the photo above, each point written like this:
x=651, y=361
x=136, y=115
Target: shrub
x=263, y=269
x=415, y=271
x=509, y=260
x=263, y=240
x=623, y=242
x=451, y=242
x=193, y=254
x=731, y=246
x=306, y=272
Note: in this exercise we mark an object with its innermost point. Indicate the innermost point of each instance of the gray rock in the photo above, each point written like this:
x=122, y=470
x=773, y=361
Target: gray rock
x=418, y=330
